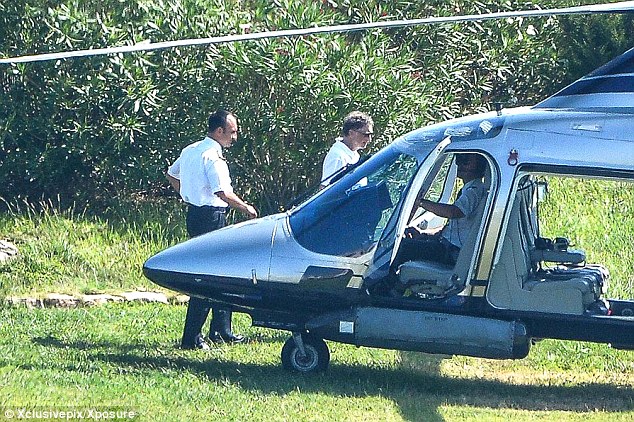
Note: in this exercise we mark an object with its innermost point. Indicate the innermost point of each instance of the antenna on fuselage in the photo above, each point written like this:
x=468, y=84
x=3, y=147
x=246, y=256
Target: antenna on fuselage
x=498, y=108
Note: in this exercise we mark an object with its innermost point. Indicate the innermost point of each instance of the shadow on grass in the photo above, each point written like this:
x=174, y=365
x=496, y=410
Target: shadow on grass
x=412, y=389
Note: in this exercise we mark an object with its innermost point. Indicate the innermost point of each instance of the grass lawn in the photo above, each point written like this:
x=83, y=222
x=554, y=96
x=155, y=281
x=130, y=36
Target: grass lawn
x=123, y=356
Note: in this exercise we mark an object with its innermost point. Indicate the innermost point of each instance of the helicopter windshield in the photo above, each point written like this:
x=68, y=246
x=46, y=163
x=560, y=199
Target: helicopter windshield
x=348, y=217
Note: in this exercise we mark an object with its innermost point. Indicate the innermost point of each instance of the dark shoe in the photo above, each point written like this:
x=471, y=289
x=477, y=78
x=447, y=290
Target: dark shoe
x=217, y=337
x=198, y=344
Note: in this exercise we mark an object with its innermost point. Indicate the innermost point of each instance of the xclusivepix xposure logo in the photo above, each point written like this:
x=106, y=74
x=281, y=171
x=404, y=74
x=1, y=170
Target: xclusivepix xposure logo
x=69, y=414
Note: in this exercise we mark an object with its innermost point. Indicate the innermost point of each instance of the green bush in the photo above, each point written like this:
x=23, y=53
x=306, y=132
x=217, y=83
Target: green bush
x=88, y=130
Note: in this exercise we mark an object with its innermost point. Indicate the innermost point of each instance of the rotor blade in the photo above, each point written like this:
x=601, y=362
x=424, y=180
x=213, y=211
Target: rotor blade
x=619, y=7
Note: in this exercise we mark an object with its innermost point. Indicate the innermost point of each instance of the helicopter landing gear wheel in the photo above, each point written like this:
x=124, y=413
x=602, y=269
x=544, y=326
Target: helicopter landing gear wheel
x=305, y=354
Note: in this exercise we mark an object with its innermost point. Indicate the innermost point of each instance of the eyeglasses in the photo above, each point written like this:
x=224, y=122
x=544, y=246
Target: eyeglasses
x=366, y=134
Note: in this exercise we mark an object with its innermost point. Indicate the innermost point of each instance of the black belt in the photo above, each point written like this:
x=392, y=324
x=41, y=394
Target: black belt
x=210, y=208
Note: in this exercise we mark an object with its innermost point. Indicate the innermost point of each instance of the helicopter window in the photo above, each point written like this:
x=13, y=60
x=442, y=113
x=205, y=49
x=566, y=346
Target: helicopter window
x=349, y=217
x=600, y=223
x=559, y=244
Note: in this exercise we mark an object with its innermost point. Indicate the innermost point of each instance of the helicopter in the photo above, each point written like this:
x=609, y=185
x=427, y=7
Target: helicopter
x=325, y=269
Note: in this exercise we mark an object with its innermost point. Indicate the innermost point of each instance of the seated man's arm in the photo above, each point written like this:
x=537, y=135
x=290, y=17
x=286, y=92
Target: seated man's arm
x=440, y=209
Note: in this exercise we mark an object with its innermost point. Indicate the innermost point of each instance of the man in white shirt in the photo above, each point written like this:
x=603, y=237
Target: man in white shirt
x=201, y=176
x=355, y=135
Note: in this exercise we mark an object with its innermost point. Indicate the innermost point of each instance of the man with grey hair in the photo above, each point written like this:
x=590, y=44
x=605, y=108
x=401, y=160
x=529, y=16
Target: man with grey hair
x=356, y=133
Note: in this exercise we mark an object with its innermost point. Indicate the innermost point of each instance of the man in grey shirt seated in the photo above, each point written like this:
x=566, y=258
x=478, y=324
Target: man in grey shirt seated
x=444, y=245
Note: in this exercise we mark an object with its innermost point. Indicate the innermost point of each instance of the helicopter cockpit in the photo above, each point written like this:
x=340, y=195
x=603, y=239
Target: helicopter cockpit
x=428, y=278
x=351, y=215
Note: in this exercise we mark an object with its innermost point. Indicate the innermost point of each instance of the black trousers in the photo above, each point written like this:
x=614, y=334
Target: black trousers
x=201, y=220
x=426, y=248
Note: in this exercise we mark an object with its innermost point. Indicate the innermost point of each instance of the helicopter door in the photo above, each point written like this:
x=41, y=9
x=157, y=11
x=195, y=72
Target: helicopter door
x=430, y=274
x=392, y=234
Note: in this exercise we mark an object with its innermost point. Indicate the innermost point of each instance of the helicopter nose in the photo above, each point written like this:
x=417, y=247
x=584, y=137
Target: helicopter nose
x=232, y=255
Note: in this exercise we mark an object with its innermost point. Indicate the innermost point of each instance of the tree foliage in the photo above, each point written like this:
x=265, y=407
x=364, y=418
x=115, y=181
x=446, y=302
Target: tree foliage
x=106, y=126
x=585, y=46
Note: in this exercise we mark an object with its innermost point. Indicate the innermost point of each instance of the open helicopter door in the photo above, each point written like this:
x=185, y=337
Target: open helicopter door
x=392, y=235
x=425, y=277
